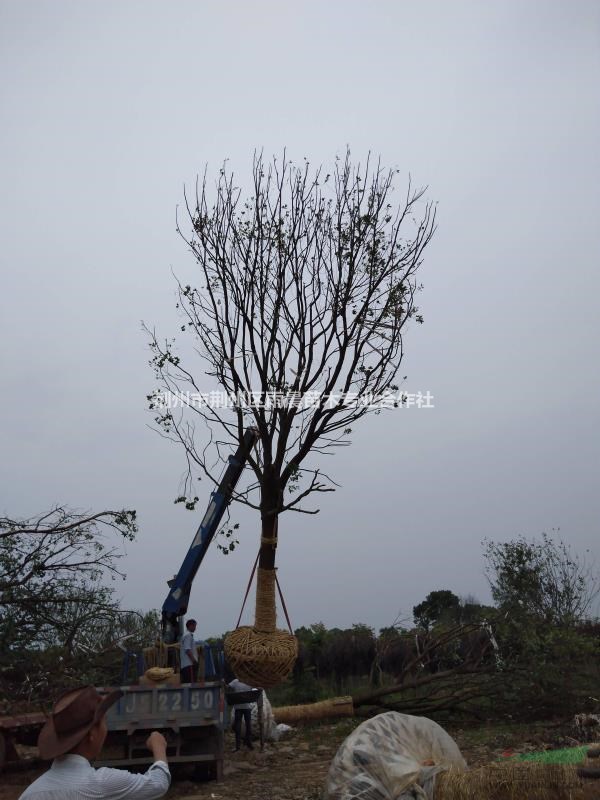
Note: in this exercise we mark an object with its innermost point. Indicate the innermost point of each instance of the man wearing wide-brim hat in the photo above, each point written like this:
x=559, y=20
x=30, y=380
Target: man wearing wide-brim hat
x=73, y=736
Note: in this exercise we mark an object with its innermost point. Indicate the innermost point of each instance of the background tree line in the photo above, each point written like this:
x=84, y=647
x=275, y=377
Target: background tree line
x=533, y=653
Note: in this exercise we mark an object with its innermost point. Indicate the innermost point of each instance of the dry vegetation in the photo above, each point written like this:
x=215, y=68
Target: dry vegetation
x=295, y=768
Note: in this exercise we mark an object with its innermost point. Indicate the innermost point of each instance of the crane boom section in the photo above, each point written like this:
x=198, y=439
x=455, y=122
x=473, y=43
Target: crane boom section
x=176, y=602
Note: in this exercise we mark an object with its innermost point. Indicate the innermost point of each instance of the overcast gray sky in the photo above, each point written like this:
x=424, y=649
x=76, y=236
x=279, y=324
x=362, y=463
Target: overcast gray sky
x=108, y=108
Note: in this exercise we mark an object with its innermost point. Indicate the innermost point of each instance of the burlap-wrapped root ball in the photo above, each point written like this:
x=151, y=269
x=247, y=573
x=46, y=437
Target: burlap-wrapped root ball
x=261, y=658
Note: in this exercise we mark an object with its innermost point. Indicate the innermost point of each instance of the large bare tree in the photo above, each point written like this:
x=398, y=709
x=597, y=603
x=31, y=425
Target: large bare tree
x=302, y=293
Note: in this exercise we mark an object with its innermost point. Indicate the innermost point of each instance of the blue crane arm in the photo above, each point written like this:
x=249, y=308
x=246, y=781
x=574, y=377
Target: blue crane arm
x=176, y=603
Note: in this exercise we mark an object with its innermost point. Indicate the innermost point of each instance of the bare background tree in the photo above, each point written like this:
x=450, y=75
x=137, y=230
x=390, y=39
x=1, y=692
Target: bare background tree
x=302, y=295
x=52, y=564
x=60, y=618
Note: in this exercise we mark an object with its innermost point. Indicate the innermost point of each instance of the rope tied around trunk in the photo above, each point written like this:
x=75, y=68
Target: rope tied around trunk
x=265, y=615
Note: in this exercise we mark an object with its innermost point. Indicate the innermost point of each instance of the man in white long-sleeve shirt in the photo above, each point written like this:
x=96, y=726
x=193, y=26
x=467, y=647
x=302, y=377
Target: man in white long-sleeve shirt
x=73, y=736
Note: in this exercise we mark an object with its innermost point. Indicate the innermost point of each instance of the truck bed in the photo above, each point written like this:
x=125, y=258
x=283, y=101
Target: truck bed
x=190, y=717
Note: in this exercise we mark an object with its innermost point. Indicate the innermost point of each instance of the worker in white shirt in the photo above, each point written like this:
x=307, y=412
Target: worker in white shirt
x=188, y=655
x=73, y=736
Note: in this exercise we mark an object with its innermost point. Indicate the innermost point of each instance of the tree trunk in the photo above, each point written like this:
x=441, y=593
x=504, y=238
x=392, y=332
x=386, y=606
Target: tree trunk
x=268, y=541
x=265, y=613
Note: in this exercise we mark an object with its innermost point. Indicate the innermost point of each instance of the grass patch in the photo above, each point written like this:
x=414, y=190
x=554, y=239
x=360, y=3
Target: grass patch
x=565, y=755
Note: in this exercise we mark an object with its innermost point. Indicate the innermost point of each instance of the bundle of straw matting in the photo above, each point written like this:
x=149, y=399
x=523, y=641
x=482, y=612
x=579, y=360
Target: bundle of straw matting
x=336, y=707
x=159, y=674
x=261, y=658
x=510, y=781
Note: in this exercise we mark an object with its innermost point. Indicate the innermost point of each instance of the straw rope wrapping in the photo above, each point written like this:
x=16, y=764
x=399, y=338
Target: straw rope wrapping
x=261, y=659
x=335, y=707
x=509, y=781
x=262, y=655
x=265, y=617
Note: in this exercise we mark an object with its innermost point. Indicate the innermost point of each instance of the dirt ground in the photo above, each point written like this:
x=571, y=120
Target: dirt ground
x=295, y=768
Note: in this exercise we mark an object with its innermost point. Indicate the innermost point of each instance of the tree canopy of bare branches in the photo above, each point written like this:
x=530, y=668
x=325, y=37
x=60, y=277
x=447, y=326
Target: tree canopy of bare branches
x=302, y=294
x=51, y=568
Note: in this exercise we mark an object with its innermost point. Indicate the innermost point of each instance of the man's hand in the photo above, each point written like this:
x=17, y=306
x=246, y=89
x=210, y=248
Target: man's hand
x=157, y=744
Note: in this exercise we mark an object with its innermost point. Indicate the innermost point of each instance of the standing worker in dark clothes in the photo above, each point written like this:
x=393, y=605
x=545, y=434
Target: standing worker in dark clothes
x=242, y=711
